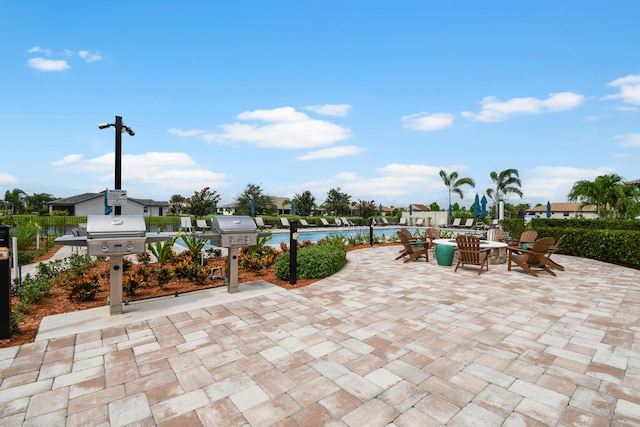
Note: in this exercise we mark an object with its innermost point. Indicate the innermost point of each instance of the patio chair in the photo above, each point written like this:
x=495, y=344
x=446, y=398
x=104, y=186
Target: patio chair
x=552, y=250
x=324, y=222
x=469, y=223
x=338, y=222
x=412, y=249
x=261, y=225
x=385, y=221
x=403, y=221
x=285, y=223
x=527, y=238
x=420, y=222
x=201, y=225
x=442, y=222
x=185, y=224
x=533, y=259
x=304, y=223
x=456, y=223
x=470, y=254
x=495, y=234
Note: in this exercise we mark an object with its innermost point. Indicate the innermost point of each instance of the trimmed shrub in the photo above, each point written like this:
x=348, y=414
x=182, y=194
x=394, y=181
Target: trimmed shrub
x=314, y=262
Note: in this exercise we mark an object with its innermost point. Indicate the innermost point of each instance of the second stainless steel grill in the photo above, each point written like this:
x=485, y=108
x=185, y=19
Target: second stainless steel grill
x=115, y=235
x=234, y=231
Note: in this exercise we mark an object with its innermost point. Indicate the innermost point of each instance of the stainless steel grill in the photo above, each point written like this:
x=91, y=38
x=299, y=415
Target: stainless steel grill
x=115, y=235
x=234, y=231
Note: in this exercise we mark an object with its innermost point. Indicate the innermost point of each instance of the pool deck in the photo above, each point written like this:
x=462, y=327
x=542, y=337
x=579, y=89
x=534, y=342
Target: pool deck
x=380, y=343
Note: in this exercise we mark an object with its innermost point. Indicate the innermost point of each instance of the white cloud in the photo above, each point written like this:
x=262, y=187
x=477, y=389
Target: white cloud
x=186, y=133
x=43, y=64
x=332, y=153
x=152, y=172
x=628, y=140
x=497, y=111
x=38, y=49
x=6, y=179
x=71, y=159
x=334, y=110
x=428, y=122
x=286, y=128
x=89, y=57
x=553, y=183
x=629, y=87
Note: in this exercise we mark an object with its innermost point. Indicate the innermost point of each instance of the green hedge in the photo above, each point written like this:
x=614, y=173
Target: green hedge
x=314, y=262
x=620, y=247
x=592, y=224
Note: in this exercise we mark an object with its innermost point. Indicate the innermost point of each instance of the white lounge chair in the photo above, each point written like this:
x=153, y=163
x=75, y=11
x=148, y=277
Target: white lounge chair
x=185, y=224
x=469, y=223
x=442, y=222
x=419, y=222
x=285, y=222
x=260, y=223
x=201, y=225
x=346, y=222
x=456, y=223
x=338, y=222
x=304, y=223
x=403, y=221
x=324, y=222
x=385, y=221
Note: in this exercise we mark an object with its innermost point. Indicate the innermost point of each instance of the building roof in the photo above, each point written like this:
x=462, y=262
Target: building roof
x=563, y=207
x=420, y=207
x=74, y=200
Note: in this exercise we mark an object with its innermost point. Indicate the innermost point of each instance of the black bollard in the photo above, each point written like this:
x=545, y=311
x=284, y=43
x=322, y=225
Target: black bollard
x=5, y=283
x=293, y=252
x=371, y=231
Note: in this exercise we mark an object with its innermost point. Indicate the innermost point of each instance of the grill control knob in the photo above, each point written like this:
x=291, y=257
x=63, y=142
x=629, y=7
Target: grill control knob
x=129, y=247
x=105, y=248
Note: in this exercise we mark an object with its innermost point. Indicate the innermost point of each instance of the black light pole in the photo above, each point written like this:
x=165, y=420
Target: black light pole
x=120, y=127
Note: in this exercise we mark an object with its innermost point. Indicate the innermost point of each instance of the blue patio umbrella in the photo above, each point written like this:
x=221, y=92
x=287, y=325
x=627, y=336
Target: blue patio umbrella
x=411, y=209
x=476, y=206
x=380, y=209
x=253, y=206
x=483, y=210
x=450, y=210
x=293, y=207
x=548, y=209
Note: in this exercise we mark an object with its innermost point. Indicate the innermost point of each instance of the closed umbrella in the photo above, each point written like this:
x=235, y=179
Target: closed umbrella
x=483, y=210
x=293, y=207
x=476, y=206
x=380, y=209
x=253, y=206
x=411, y=209
x=548, y=210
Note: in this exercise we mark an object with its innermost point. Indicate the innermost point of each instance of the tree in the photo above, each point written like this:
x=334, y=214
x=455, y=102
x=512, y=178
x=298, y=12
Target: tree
x=202, y=202
x=264, y=205
x=337, y=203
x=305, y=203
x=609, y=194
x=16, y=199
x=176, y=202
x=453, y=184
x=38, y=202
x=285, y=202
x=367, y=209
x=505, y=182
x=434, y=206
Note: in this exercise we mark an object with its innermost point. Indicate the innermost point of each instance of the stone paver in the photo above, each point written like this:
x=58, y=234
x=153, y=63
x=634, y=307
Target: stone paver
x=380, y=343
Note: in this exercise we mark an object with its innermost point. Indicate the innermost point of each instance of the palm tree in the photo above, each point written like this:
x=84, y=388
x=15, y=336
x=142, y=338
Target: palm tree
x=609, y=194
x=505, y=182
x=453, y=184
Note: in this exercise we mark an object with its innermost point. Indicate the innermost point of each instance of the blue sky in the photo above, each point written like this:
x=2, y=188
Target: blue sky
x=373, y=97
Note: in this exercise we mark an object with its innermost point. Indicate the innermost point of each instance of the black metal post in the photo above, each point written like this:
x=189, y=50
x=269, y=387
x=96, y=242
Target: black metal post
x=293, y=252
x=5, y=283
x=371, y=231
x=118, y=171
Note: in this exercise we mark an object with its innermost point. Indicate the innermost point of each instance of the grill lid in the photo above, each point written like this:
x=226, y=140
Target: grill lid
x=100, y=226
x=227, y=224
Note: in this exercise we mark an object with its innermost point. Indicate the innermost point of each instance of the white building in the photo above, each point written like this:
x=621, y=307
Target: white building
x=94, y=204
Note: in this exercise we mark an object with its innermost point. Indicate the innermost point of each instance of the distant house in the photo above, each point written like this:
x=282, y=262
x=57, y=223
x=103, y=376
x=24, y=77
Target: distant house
x=228, y=209
x=94, y=204
x=635, y=182
x=564, y=210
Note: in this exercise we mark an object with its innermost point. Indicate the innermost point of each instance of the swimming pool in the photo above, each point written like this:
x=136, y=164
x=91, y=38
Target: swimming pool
x=314, y=236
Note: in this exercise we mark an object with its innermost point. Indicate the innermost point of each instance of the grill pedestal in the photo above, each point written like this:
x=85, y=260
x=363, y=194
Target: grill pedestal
x=233, y=233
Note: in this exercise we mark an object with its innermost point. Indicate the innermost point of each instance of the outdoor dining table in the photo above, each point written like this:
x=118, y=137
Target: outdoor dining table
x=447, y=248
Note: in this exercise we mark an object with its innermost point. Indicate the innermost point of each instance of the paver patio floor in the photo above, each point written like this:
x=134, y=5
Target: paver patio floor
x=380, y=343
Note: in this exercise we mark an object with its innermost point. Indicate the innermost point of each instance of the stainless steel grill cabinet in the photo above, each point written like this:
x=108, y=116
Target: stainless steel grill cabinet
x=115, y=235
x=234, y=231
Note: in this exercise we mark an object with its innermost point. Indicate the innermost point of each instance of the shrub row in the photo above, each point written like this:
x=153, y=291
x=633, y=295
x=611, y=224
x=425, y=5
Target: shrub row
x=600, y=224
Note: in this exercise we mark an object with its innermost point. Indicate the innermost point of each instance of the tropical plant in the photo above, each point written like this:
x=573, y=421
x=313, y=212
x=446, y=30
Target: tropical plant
x=505, y=182
x=194, y=245
x=263, y=204
x=202, y=202
x=163, y=250
x=305, y=203
x=337, y=202
x=609, y=194
x=15, y=198
x=454, y=184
